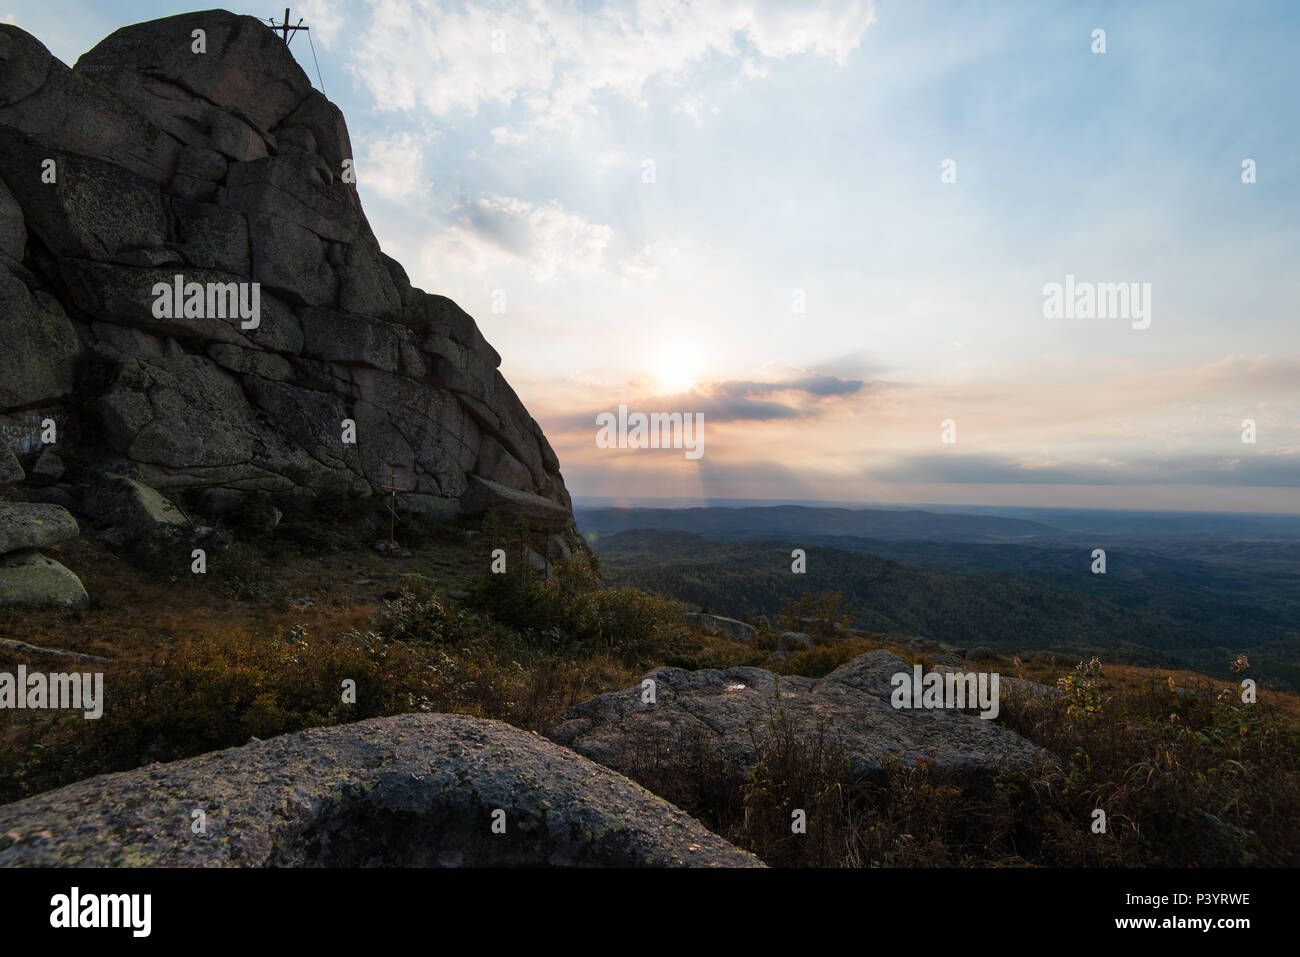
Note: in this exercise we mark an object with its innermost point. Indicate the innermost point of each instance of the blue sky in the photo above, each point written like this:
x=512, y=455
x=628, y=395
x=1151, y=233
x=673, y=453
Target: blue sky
x=502, y=152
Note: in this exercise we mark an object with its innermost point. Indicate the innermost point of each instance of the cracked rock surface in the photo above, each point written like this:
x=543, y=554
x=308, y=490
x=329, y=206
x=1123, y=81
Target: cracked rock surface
x=731, y=713
x=227, y=167
x=413, y=790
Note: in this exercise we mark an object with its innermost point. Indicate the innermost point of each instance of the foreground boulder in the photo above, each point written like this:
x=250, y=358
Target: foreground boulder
x=26, y=576
x=30, y=525
x=730, y=713
x=29, y=578
x=134, y=510
x=412, y=790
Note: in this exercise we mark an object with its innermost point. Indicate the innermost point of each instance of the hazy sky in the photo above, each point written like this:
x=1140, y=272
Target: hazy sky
x=798, y=157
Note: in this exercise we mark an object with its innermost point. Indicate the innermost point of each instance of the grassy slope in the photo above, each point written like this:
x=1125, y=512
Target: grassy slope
x=195, y=668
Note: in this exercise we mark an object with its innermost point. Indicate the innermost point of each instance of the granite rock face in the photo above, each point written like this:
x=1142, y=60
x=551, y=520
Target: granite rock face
x=731, y=712
x=148, y=161
x=412, y=790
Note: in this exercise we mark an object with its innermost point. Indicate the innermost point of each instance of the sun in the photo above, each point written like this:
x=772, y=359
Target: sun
x=676, y=369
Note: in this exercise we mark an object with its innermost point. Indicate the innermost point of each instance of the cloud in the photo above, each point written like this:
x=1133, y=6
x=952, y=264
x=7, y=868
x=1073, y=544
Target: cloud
x=504, y=136
x=394, y=168
x=544, y=237
x=645, y=265
x=556, y=59
x=324, y=17
x=813, y=385
x=730, y=401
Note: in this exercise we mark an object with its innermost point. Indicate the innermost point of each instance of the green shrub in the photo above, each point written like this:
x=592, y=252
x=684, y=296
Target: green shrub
x=420, y=614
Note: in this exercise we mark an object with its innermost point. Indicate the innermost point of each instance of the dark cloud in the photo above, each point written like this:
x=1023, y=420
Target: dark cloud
x=814, y=385
x=495, y=224
x=732, y=400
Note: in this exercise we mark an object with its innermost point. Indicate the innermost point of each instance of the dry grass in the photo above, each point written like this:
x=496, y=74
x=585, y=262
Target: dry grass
x=196, y=669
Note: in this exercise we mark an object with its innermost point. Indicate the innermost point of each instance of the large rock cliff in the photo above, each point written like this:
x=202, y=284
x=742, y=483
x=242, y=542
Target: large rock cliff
x=151, y=159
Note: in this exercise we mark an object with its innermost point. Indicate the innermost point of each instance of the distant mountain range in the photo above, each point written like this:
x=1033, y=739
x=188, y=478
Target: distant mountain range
x=1012, y=584
x=799, y=520
x=736, y=520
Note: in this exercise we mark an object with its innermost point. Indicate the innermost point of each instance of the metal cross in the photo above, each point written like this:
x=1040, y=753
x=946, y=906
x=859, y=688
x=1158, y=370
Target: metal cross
x=393, y=488
x=288, y=31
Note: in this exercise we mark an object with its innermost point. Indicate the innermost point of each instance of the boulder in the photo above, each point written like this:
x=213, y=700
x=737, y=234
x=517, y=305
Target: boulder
x=43, y=100
x=41, y=348
x=142, y=513
x=59, y=495
x=413, y=790
x=731, y=712
x=246, y=68
x=289, y=259
x=93, y=210
x=212, y=237
x=324, y=122
x=185, y=412
x=483, y=494
x=718, y=625
x=11, y=470
x=557, y=548
x=793, y=641
x=202, y=164
x=25, y=525
x=298, y=187
x=29, y=578
x=46, y=470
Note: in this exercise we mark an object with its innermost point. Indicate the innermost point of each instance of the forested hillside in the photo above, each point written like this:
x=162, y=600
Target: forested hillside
x=1149, y=608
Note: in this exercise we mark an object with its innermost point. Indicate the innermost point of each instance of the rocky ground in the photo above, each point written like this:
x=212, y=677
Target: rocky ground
x=732, y=712
x=414, y=791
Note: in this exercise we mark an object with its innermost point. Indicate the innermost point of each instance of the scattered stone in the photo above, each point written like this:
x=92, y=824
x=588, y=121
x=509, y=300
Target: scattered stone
x=24, y=525
x=387, y=548
x=29, y=578
x=730, y=712
x=23, y=648
x=793, y=641
x=718, y=625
